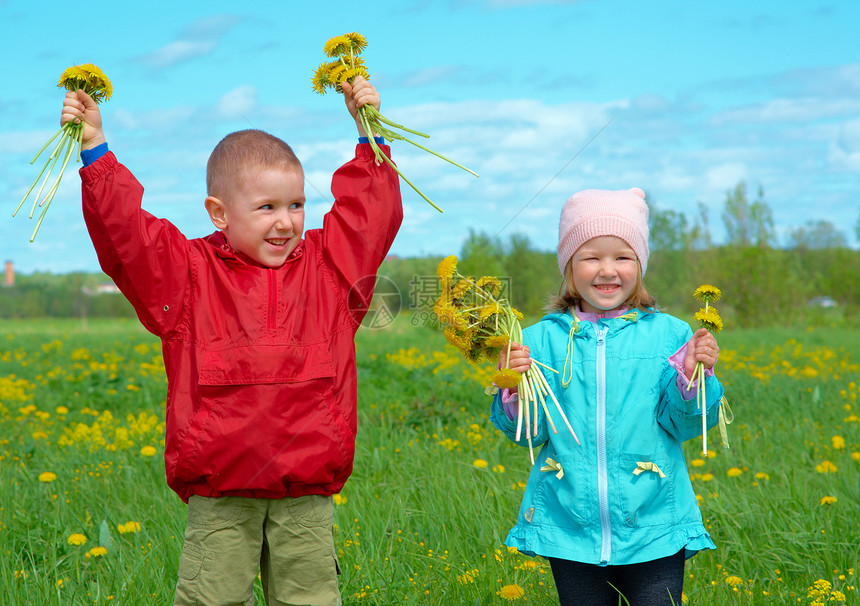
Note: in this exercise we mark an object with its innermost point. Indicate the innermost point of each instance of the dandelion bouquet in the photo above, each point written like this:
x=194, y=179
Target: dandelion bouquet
x=347, y=63
x=95, y=83
x=708, y=318
x=480, y=323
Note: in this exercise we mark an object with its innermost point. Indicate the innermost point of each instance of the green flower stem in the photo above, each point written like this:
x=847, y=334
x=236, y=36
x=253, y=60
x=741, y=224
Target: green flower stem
x=53, y=161
x=39, y=153
x=376, y=114
x=49, y=197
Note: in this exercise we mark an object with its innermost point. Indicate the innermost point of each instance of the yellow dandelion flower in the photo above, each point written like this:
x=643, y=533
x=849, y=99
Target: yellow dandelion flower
x=480, y=463
x=489, y=310
x=708, y=293
x=734, y=581
x=516, y=313
x=828, y=500
x=89, y=78
x=826, y=467
x=511, y=592
x=336, y=75
x=496, y=341
x=855, y=456
x=322, y=78
x=707, y=477
x=47, y=476
x=128, y=528
x=96, y=552
x=506, y=378
x=148, y=451
x=351, y=72
x=447, y=267
x=461, y=288
x=62, y=410
x=491, y=284
x=337, y=46
x=697, y=463
x=77, y=539
x=734, y=472
x=838, y=442
x=338, y=499
x=357, y=42
x=762, y=476
x=710, y=319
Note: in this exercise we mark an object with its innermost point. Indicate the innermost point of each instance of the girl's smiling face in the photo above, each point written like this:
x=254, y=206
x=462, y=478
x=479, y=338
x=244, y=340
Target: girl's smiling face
x=604, y=272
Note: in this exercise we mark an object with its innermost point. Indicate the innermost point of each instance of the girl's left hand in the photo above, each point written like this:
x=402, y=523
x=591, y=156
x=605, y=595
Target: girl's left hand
x=701, y=348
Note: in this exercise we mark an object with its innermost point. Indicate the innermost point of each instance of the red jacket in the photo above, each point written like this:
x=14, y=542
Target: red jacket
x=260, y=362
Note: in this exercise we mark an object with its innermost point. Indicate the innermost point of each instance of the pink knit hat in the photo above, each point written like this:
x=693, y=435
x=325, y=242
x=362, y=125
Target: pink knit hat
x=599, y=212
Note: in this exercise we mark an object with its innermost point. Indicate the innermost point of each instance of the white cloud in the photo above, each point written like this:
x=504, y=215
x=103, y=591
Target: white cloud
x=238, y=102
x=199, y=38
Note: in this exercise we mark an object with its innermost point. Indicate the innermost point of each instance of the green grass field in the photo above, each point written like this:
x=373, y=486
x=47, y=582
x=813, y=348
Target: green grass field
x=435, y=489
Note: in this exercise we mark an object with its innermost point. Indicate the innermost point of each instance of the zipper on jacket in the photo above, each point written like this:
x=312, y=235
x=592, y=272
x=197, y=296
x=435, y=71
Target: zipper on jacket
x=273, y=300
x=602, y=481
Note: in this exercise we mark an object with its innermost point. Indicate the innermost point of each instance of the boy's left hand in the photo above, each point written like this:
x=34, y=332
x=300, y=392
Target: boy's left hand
x=359, y=93
x=701, y=348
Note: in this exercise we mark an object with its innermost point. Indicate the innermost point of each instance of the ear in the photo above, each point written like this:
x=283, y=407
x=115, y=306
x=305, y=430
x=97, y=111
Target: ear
x=217, y=212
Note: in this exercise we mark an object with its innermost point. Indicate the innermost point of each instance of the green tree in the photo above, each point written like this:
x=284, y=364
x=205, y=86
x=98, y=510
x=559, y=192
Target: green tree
x=747, y=223
x=816, y=235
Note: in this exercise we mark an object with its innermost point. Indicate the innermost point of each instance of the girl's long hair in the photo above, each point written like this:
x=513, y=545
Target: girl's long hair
x=568, y=298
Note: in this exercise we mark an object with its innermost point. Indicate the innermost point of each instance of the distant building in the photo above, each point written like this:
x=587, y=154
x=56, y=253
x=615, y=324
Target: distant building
x=9, y=277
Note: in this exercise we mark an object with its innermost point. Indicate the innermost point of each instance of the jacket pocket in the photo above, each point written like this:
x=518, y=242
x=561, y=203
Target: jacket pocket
x=562, y=502
x=251, y=402
x=647, y=490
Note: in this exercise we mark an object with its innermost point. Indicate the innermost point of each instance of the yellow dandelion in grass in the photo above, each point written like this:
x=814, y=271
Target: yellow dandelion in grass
x=707, y=477
x=468, y=577
x=697, y=462
x=855, y=456
x=838, y=442
x=62, y=410
x=828, y=500
x=511, y=592
x=762, y=476
x=826, y=467
x=47, y=476
x=734, y=581
x=338, y=499
x=77, y=539
x=734, y=472
x=96, y=552
x=507, y=378
x=128, y=528
x=148, y=451
x=707, y=293
x=480, y=463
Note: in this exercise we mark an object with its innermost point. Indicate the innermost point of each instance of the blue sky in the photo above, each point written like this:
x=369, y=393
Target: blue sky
x=685, y=99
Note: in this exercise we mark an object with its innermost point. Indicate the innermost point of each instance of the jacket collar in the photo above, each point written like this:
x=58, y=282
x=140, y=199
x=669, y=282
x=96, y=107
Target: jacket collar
x=224, y=250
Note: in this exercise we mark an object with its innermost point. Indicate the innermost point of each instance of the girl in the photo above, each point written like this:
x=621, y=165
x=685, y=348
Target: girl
x=617, y=513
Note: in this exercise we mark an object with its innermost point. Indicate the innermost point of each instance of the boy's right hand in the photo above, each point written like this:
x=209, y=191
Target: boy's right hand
x=520, y=359
x=79, y=106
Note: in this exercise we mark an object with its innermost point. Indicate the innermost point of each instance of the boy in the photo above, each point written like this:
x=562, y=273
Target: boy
x=258, y=345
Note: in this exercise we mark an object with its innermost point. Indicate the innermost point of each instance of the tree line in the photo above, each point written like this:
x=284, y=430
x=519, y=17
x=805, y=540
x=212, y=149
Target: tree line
x=762, y=284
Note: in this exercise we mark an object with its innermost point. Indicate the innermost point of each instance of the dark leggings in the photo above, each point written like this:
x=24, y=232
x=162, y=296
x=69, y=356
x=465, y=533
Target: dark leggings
x=654, y=583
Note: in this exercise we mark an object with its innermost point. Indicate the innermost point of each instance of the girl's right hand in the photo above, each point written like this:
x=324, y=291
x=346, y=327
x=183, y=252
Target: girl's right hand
x=520, y=359
x=79, y=106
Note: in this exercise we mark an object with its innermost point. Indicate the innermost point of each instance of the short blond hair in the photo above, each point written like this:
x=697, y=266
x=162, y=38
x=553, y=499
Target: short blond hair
x=242, y=151
x=568, y=298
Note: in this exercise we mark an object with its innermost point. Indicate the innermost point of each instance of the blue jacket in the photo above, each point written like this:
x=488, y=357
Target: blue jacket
x=626, y=409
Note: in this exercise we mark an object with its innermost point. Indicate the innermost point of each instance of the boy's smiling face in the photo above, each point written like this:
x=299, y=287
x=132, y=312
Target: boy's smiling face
x=262, y=214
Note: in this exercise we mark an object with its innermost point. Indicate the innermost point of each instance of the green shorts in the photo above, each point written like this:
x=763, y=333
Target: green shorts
x=228, y=539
